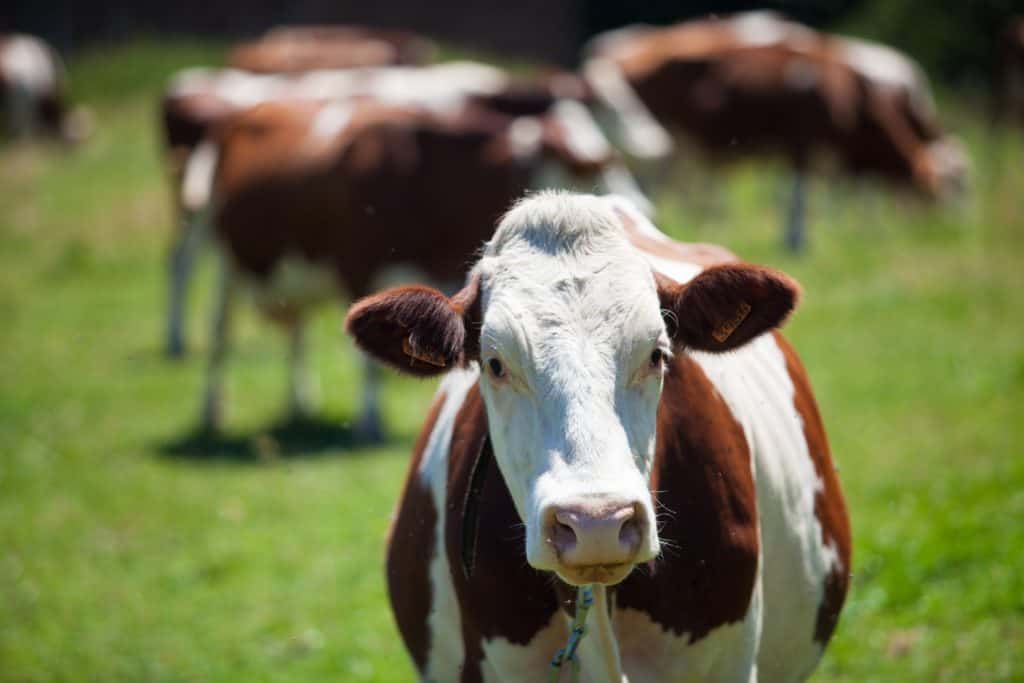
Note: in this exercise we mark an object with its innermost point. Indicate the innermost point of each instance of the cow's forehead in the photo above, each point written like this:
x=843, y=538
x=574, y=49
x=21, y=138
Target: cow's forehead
x=561, y=266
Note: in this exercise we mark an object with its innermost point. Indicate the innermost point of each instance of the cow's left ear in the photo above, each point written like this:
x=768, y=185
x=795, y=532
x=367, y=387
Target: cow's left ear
x=417, y=330
x=726, y=306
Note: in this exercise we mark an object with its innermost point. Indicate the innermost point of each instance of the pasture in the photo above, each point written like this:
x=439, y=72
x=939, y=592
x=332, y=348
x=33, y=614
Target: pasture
x=137, y=550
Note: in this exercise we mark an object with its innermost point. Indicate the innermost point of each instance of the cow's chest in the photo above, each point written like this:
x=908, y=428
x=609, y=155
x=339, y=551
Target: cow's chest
x=650, y=653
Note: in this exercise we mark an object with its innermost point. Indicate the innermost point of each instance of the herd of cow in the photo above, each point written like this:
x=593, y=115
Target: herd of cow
x=619, y=408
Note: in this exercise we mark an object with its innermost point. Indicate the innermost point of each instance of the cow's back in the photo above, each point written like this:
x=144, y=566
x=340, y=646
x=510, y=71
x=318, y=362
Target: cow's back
x=375, y=186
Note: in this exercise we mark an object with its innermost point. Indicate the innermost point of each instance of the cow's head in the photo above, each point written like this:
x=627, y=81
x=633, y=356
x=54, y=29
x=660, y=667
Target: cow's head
x=567, y=322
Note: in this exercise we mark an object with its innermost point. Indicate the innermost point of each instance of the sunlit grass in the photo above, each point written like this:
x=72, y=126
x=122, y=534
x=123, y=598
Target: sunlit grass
x=134, y=552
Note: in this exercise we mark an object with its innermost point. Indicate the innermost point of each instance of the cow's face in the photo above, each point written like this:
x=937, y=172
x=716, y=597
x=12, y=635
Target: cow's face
x=572, y=355
x=565, y=319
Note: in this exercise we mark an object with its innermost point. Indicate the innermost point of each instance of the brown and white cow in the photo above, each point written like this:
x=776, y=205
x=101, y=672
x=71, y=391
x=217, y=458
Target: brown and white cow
x=198, y=99
x=313, y=200
x=616, y=411
x=33, y=97
x=757, y=83
x=294, y=49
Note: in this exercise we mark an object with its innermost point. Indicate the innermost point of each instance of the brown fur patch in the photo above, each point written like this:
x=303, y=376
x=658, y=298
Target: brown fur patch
x=705, y=577
x=411, y=541
x=697, y=253
x=500, y=569
x=829, y=504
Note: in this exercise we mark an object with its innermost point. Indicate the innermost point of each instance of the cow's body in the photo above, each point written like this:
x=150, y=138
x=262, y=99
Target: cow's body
x=756, y=84
x=294, y=49
x=197, y=100
x=33, y=98
x=756, y=554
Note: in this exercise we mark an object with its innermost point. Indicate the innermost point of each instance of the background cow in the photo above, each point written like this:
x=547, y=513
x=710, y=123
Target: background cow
x=199, y=99
x=310, y=200
x=33, y=91
x=757, y=83
x=610, y=378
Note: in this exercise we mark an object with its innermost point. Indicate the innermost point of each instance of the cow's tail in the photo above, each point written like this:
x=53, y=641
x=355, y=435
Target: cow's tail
x=635, y=127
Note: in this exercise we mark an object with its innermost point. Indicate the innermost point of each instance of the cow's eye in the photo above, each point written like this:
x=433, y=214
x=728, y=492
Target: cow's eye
x=496, y=368
x=657, y=358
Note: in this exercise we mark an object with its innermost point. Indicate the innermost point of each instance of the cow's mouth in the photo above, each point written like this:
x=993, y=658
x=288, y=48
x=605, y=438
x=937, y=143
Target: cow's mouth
x=607, y=574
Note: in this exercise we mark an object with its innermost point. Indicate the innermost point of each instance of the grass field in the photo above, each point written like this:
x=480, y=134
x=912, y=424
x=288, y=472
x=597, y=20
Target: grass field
x=135, y=551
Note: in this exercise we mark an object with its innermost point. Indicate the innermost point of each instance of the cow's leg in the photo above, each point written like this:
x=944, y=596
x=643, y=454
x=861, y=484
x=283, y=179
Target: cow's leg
x=370, y=428
x=182, y=263
x=301, y=385
x=21, y=111
x=219, y=339
x=796, y=218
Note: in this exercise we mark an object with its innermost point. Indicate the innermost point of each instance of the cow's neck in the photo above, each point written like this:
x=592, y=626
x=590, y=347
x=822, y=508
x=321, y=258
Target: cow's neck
x=477, y=490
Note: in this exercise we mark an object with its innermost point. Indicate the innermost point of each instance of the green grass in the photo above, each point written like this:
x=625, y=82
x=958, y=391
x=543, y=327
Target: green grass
x=134, y=551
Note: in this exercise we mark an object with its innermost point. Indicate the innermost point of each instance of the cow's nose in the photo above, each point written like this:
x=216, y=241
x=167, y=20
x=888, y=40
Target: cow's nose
x=596, y=534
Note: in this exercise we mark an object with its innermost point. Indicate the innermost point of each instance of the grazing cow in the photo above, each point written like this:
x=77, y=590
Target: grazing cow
x=198, y=99
x=294, y=49
x=310, y=200
x=618, y=411
x=756, y=83
x=32, y=91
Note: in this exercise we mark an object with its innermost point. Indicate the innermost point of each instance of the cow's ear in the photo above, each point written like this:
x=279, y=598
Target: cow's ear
x=416, y=330
x=726, y=306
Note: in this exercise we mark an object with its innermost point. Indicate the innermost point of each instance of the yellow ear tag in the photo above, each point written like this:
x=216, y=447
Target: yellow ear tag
x=724, y=331
x=434, y=359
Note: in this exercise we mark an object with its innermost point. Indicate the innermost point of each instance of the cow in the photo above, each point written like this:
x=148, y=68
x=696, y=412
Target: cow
x=33, y=92
x=198, y=99
x=757, y=83
x=619, y=410
x=310, y=200
x=295, y=49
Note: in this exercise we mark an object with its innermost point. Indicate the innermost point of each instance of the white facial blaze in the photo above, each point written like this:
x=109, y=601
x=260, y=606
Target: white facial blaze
x=571, y=314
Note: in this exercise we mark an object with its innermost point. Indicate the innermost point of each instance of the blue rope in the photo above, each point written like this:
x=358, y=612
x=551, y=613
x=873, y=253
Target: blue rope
x=584, y=601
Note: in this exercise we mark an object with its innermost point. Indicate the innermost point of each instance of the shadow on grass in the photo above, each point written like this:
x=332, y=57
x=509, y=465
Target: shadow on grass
x=308, y=437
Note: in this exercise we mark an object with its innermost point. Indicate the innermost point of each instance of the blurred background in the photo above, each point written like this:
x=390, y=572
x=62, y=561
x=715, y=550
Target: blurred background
x=139, y=545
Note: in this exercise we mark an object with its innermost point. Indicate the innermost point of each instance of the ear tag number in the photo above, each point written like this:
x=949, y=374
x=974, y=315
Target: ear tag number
x=434, y=359
x=724, y=331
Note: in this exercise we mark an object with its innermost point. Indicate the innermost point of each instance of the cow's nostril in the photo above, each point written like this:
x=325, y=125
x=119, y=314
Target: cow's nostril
x=629, y=534
x=562, y=537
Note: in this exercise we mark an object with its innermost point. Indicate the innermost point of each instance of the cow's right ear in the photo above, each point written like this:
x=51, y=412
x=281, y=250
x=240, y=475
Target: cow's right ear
x=416, y=330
